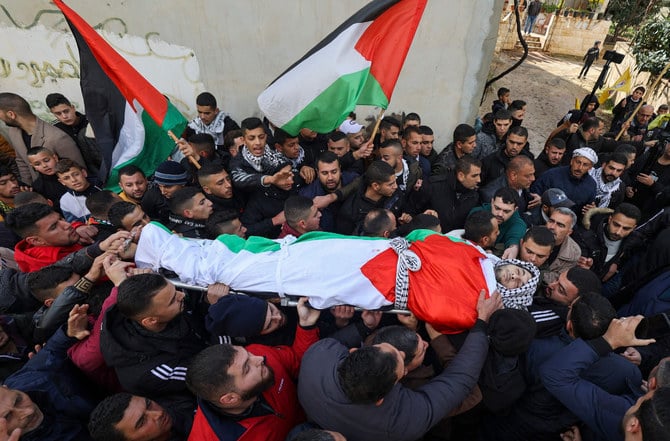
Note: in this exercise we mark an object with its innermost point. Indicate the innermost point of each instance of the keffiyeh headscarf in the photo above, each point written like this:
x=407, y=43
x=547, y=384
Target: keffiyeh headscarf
x=519, y=298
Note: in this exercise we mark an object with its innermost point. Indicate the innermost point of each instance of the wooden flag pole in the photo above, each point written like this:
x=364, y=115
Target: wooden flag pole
x=190, y=158
x=376, y=127
x=643, y=100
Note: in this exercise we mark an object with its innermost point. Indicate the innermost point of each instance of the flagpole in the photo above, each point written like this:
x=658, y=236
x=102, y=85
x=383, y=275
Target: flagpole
x=190, y=158
x=642, y=101
x=376, y=127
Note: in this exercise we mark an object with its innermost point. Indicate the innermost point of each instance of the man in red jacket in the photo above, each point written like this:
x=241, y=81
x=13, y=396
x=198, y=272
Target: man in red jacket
x=47, y=237
x=249, y=393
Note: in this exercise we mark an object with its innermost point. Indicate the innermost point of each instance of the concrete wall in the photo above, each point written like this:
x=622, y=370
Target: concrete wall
x=235, y=48
x=565, y=35
x=575, y=35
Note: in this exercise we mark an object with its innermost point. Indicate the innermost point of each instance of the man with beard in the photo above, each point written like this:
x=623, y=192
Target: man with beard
x=609, y=191
x=250, y=392
x=550, y=157
x=133, y=183
x=454, y=194
x=330, y=178
x=464, y=143
x=608, y=242
x=27, y=130
x=573, y=179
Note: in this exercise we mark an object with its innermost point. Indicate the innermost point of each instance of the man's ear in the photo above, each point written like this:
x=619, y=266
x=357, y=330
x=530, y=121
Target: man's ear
x=149, y=321
x=84, y=172
x=632, y=425
x=229, y=399
x=35, y=241
x=187, y=213
x=379, y=402
x=48, y=303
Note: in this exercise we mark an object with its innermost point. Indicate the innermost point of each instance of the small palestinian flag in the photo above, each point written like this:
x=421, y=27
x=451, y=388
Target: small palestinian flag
x=130, y=118
x=358, y=63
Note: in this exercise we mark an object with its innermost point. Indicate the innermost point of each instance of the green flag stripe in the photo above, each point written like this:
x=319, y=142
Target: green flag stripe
x=335, y=103
x=157, y=145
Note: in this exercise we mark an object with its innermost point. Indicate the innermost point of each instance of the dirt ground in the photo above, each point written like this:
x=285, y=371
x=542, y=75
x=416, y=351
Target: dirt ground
x=547, y=83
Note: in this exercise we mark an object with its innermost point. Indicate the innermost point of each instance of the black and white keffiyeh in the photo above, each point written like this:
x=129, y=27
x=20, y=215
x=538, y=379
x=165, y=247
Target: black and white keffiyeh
x=519, y=298
x=215, y=128
x=268, y=160
x=604, y=189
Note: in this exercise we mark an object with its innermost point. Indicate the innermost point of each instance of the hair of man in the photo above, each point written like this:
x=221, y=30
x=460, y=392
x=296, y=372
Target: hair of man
x=106, y=415
x=591, y=314
x=21, y=220
x=136, y=293
x=367, y=374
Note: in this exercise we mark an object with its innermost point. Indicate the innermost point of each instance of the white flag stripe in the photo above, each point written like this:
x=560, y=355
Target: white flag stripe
x=131, y=137
x=316, y=74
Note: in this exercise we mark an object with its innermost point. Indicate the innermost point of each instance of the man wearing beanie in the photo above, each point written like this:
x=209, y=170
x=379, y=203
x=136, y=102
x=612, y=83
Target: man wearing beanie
x=573, y=179
x=242, y=317
x=169, y=177
x=250, y=392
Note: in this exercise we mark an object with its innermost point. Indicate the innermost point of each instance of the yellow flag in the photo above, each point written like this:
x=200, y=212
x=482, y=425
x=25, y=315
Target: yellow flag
x=604, y=95
x=577, y=103
x=623, y=83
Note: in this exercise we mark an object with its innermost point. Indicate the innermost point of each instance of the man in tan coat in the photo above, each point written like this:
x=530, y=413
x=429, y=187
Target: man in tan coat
x=27, y=130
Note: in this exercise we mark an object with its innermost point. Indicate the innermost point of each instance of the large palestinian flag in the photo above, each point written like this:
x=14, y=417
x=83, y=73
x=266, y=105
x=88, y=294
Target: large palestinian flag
x=358, y=63
x=129, y=116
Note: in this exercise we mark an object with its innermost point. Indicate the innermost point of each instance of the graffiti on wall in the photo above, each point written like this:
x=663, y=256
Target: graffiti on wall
x=47, y=59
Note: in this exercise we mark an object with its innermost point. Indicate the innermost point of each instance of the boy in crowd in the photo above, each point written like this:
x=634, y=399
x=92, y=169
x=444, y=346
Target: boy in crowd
x=189, y=211
x=73, y=202
x=76, y=125
x=210, y=120
x=44, y=162
x=503, y=101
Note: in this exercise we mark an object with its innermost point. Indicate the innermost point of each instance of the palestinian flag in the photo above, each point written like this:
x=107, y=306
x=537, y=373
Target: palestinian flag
x=358, y=63
x=130, y=118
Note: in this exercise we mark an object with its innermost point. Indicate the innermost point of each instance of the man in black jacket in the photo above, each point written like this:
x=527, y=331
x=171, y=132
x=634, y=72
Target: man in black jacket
x=454, y=194
x=149, y=339
x=380, y=190
x=607, y=242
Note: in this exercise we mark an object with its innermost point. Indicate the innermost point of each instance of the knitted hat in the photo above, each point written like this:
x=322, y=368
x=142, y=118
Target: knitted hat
x=511, y=331
x=519, y=298
x=587, y=153
x=237, y=315
x=170, y=173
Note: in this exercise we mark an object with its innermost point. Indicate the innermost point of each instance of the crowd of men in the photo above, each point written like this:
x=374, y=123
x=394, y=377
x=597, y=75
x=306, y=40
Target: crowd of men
x=94, y=348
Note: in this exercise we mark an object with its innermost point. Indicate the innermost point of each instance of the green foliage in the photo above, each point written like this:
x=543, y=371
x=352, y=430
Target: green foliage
x=548, y=8
x=651, y=46
x=628, y=14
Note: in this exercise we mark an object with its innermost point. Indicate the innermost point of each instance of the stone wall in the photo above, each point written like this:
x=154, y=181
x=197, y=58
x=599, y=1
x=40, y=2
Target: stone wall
x=575, y=35
x=564, y=35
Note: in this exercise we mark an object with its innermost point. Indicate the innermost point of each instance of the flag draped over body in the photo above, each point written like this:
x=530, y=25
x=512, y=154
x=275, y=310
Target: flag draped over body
x=129, y=116
x=621, y=85
x=358, y=63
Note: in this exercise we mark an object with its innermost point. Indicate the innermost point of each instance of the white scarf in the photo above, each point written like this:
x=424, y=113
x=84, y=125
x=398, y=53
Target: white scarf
x=268, y=160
